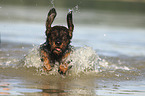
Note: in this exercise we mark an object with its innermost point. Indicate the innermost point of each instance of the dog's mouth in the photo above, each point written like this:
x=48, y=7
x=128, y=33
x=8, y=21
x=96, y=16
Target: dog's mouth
x=57, y=50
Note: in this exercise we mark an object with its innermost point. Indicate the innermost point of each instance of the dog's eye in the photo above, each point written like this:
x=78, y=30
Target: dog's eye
x=53, y=38
x=64, y=37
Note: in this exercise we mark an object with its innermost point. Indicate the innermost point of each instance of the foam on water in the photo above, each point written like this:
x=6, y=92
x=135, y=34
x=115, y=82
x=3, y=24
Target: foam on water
x=33, y=58
x=84, y=60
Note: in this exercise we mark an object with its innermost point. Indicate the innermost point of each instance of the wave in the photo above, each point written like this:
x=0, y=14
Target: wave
x=84, y=60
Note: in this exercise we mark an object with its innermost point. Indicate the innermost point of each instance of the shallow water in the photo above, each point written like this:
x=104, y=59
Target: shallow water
x=107, y=60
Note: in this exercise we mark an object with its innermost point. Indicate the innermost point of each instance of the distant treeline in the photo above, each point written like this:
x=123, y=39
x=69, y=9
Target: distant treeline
x=114, y=5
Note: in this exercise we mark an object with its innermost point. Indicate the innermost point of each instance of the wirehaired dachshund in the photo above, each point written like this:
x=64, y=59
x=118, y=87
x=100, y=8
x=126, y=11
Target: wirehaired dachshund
x=57, y=46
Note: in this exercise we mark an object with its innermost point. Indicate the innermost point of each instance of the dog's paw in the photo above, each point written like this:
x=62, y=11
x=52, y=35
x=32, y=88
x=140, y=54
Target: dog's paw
x=47, y=69
x=63, y=69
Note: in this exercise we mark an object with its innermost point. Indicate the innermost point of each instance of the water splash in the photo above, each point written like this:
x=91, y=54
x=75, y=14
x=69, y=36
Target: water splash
x=33, y=58
x=84, y=60
x=52, y=2
x=75, y=9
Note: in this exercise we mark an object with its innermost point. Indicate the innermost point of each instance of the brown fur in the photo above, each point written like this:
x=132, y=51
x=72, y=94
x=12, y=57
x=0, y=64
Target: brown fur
x=57, y=46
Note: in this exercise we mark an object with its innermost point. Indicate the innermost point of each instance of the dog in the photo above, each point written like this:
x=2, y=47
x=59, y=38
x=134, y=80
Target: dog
x=57, y=46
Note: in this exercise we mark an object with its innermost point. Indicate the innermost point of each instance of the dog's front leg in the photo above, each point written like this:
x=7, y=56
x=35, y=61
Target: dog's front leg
x=47, y=66
x=64, y=67
x=44, y=57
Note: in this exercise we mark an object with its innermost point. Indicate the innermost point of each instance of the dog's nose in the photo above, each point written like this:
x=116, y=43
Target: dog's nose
x=58, y=43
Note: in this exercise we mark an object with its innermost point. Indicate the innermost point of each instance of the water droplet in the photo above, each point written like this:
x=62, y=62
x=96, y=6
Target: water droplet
x=70, y=10
x=52, y=2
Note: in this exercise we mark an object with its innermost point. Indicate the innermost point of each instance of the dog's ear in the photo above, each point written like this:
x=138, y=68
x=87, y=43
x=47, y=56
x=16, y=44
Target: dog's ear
x=70, y=23
x=51, y=15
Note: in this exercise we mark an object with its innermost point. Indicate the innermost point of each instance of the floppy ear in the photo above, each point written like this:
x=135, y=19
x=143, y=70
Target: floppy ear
x=70, y=23
x=51, y=15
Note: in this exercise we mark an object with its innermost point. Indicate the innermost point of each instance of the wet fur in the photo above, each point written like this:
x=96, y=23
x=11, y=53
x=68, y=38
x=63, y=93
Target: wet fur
x=57, y=46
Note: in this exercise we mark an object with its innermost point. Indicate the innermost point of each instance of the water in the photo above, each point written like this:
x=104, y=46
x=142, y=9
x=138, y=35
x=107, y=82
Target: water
x=108, y=57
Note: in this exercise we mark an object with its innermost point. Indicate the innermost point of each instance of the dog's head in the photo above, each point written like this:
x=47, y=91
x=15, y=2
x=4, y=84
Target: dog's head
x=58, y=37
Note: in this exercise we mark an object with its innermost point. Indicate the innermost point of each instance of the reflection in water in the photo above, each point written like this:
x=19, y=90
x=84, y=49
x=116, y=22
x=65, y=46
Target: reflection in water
x=49, y=92
x=4, y=89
